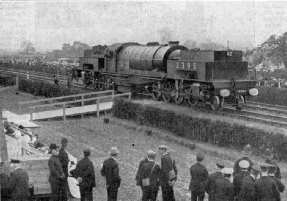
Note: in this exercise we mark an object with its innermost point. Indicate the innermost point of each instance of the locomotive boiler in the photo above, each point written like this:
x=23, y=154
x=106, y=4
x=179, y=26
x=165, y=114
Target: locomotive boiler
x=170, y=72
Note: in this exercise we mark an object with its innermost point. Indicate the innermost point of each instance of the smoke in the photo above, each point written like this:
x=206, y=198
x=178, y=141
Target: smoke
x=165, y=35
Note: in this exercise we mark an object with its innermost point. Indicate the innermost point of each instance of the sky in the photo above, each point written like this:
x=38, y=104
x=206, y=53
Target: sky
x=49, y=24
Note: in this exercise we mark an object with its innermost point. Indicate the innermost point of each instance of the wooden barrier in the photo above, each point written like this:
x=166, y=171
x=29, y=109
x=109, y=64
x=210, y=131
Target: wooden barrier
x=64, y=105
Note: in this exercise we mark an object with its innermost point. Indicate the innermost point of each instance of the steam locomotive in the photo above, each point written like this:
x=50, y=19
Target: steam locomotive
x=170, y=72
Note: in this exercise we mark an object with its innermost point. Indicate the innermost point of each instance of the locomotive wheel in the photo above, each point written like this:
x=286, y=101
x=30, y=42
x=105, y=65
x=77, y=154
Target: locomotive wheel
x=191, y=101
x=215, y=103
x=179, y=100
x=167, y=90
x=156, y=94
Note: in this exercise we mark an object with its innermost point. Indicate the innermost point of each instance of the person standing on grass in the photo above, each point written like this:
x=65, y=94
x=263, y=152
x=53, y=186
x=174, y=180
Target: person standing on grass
x=199, y=176
x=139, y=172
x=247, y=190
x=85, y=175
x=168, y=174
x=150, y=178
x=246, y=154
x=268, y=155
x=64, y=160
x=110, y=170
x=237, y=181
x=224, y=187
x=271, y=173
x=210, y=184
x=56, y=172
x=265, y=187
x=56, y=81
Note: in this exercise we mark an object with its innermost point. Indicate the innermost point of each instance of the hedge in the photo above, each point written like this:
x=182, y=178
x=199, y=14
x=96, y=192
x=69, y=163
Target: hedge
x=219, y=133
x=7, y=80
x=271, y=95
x=48, y=90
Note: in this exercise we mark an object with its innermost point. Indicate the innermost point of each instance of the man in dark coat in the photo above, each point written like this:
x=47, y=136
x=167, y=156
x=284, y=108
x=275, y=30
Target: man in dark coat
x=110, y=170
x=271, y=173
x=246, y=153
x=19, y=183
x=224, y=187
x=151, y=172
x=64, y=160
x=247, y=190
x=210, y=183
x=85, y=174
x=269, y=155
x=4, y=179
x=199, y=176
x=56, y=172
x=168, y=174
x=237, y=181
x=265, y=187
x=140, y=169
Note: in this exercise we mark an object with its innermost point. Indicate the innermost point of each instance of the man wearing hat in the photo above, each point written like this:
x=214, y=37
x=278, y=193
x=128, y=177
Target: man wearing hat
x=237, y=181
x=150, y=178
x=64, y=160
x=224, y=187
x=246, y=153
x=268, y=155
x=85, y=174
x=265, y=187
x=56, y=172
x=168, y=174
x=271, y=173
x=19, y=182
x=110, y=170
x=247, y=190
x=210, y=184
x=199, y=176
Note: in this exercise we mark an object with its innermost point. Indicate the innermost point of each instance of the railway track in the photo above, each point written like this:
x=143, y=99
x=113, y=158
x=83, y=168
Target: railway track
x=274, y=115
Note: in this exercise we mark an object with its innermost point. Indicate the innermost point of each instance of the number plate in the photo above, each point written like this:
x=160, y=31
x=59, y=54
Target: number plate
x=186, y=65
x=241, y=91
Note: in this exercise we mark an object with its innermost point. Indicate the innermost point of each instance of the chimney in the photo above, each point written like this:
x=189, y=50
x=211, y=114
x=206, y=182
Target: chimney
x=152, y=43
x=173, y=43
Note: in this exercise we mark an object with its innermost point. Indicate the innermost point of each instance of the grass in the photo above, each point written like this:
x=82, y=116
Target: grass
x=133, y=141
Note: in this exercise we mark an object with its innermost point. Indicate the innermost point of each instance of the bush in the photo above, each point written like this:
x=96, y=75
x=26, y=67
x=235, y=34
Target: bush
x=215, y=132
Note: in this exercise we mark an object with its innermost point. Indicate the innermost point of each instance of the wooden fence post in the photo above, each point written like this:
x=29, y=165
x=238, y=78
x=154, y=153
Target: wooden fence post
x=31, y=114
x=64, y=111
x=82, y=98
x=130, y=96
x=98, y=107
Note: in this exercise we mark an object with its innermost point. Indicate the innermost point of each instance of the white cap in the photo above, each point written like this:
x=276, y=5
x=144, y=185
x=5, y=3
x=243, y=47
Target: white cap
x=244, y=164
x=227, y=171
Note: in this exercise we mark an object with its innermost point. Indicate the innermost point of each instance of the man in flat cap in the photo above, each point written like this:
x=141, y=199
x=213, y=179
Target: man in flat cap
x=64, y=160
x=19, y=183
x=56, y=172
x=210, y=183
x=199, y=176
x=247, y=190
x=246, y=154
x=168, y=174
x=150, y=178
x=237, y=181
x=85, y=174
x=110, y=170
x=224, y=187
x=268, y=155
x=265, y=187
x=271, y=173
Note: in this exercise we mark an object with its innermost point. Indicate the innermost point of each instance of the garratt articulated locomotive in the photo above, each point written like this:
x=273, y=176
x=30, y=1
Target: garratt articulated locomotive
x=170, y=72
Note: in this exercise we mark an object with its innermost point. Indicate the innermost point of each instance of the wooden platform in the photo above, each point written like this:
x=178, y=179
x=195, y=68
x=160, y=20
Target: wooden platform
x=70, y=111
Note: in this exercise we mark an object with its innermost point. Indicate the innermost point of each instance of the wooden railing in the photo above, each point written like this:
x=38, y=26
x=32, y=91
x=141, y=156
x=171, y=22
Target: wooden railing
x=98, y=99
x=50, y=100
